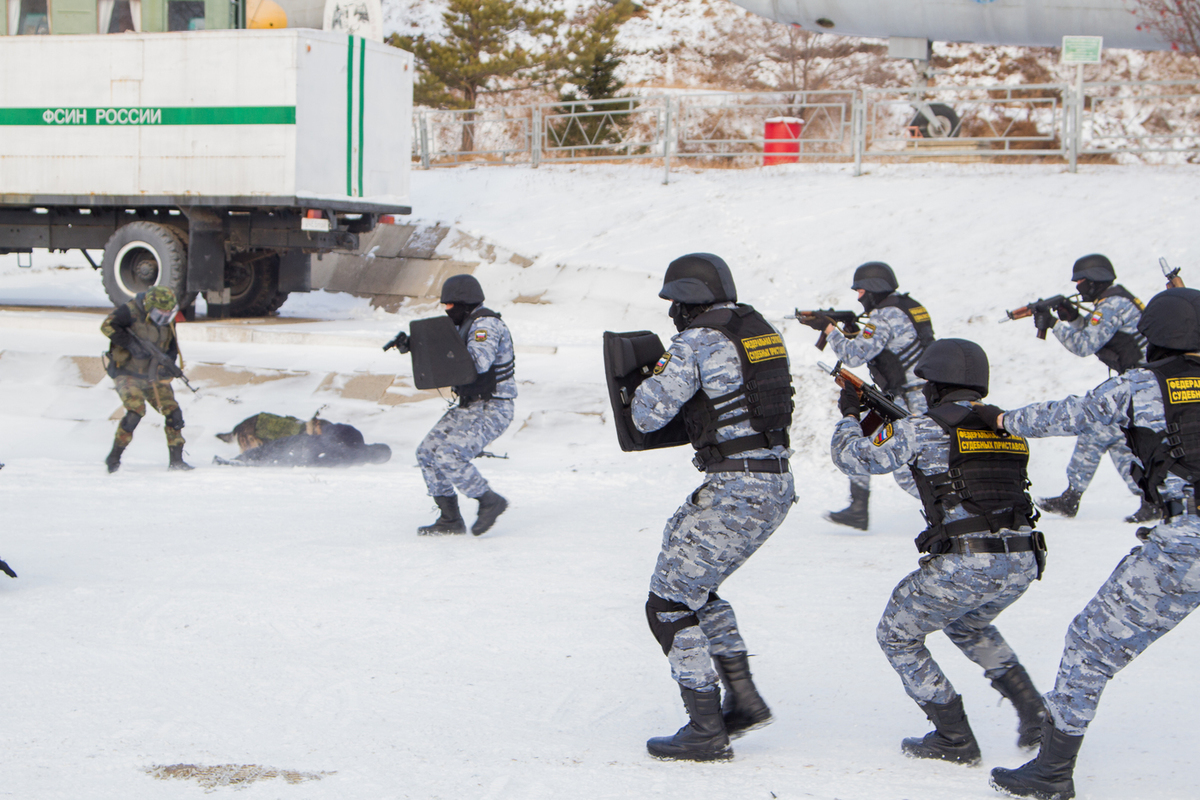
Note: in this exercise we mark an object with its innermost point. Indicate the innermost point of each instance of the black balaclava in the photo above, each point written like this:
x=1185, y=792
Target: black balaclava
x=682, y=314
x=1156, y=353
x=870, y=300
x=1090, y=290
x=460, y=311
x=938, y=393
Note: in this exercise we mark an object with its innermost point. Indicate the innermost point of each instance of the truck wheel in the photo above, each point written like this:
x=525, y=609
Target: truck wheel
x=254, y=286
x=144, y=254
x=945, y=122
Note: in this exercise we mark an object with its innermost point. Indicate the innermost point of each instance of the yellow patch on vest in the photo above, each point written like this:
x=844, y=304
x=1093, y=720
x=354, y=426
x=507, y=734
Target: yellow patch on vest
x=1183, y=390
x=989, y=442
x=919, y=314
x=481, y=335
x=764, y=348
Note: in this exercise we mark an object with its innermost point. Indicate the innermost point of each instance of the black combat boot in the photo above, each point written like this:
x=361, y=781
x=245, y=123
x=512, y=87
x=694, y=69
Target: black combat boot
x=1050, y=776
x=1031, y=712
x=744, y=709
x=951, y=739
x=702, y=739
x=1146, y=512
x=113, y=462
x=855, y=514
x=491, y=506
x=177, y=462
x=1066, y=504
x=450, y=521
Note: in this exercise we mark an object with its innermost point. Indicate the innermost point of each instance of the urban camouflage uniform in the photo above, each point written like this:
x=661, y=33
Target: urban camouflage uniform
x=958, y=594
x=1152, y=589
x=132, y=374
x=887, y=328
x=724, y=521
x=461, y=434
x=1084, y=337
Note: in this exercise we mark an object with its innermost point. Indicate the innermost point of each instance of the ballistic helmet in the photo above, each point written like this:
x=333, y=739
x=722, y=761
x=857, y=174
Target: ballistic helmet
x=876, y=277
x=699, y=279
x=159, y=297
x=956, y=362
x=1095, y=268
x=1171, y=320
x=462, y=289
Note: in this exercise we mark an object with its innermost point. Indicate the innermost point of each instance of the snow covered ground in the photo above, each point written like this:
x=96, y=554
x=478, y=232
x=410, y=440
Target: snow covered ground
x=291, y=619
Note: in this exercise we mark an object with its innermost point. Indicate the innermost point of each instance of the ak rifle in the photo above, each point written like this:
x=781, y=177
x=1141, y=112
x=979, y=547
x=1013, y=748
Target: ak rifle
x=1040, y=305
x=820, y=318
x=1172, y=275
x=881, y=409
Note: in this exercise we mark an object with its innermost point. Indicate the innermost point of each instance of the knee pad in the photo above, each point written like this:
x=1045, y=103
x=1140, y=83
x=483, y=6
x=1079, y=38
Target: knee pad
x=130, y=421
x=665, y=632
x=175, y=419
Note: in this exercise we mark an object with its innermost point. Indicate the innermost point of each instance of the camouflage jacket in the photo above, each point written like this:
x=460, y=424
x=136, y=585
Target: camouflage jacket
x=133, y=319
x=1088, y=333
x=489, y=342
x=887, y=328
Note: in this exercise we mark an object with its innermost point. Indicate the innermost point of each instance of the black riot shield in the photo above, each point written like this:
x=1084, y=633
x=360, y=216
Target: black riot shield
x=629, y=359
x=439, y=356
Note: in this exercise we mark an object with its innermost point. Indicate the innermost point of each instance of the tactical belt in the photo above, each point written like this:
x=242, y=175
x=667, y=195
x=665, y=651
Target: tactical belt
x=1006, y=519
x=775, y=465
x=972, y=545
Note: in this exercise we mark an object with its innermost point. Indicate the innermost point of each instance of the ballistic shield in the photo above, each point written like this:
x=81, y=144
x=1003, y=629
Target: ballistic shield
x=439, y=355
x=629, y=358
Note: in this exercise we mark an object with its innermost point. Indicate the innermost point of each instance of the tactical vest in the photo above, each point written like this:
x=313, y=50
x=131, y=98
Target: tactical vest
x=764, y=398
x=1124, y=350
x=986, y=476
x=484, y=386
x=1177, y=450
x=122, y=360
x=888, y=369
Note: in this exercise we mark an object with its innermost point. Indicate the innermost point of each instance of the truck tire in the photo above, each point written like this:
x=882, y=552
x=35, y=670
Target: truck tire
x=254, y=286
x=945, y=125
x=144, y=254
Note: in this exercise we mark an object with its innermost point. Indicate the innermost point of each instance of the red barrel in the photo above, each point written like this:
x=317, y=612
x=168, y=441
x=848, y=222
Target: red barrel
x=781, y=136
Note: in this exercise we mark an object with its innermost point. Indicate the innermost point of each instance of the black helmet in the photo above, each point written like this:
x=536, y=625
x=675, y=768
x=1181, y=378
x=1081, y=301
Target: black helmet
x=875, y=277
x=1171, y=320
x=956, y=362
x=699, y=279
x=1095, y=268
x=462, y=289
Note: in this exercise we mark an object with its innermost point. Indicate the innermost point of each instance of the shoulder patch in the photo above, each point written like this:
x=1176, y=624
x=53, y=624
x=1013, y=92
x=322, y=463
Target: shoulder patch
x=662, y=363
x=481, y=335
x=1097, y=315
x=868, y=330
x=881, y=435
x=918, y=314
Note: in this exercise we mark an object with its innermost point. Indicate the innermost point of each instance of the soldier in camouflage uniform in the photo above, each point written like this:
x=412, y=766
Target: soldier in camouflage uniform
x=484, y=411
x=148, y=319
x=981, y=550
x=1158, y=584
x=742, y=444
x=266, y=427
x=1110, y=334
x=894, y=334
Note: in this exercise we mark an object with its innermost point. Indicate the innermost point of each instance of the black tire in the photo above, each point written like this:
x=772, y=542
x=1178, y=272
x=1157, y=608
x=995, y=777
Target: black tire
x=254, y=286
x=140, y=255
x=946, y=125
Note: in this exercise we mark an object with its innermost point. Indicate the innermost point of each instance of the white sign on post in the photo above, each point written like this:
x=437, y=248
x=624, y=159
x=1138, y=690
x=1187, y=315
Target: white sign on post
x=1081, y=49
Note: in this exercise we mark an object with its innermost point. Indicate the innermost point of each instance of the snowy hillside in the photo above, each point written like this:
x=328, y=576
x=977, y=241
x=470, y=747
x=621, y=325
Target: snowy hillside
x=293, y=620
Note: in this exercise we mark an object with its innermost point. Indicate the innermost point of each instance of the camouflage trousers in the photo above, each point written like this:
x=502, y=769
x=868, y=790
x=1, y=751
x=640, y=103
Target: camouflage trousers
x=1147, y=595
x=461, y=434
x=914, y=401
x=1090, y=447
x=960, y=595
x=135, y=393
x=712, y=534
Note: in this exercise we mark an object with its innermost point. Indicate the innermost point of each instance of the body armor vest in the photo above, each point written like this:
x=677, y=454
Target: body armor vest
x=986, y=476
x=1124, y=350
x=484, y=386
x=123, y=361
x=889, y=368
x=1176, y=450
x=764, y=398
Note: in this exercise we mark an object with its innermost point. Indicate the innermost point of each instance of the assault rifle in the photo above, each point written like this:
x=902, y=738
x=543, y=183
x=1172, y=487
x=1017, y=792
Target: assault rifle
x=880, y=408
x=818, y=319
x=1040, y=305
x=1172, y=275
x=160, y=362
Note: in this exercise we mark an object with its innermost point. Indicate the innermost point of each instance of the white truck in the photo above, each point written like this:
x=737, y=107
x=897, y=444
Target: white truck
x=208, y=161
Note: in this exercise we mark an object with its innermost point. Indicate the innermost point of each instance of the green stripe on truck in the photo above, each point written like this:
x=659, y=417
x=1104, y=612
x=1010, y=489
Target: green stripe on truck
x=118, y=116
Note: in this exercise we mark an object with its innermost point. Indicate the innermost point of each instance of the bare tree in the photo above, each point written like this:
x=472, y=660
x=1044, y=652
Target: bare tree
x=1176, y=22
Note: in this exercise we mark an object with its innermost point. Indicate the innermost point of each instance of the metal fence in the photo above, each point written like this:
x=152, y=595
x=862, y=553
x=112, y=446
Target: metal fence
x=1148, y=121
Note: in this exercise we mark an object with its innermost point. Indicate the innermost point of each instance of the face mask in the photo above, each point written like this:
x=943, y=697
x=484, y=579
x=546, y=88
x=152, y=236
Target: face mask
x=683, y=314
x=161, y=317
x=458, y=312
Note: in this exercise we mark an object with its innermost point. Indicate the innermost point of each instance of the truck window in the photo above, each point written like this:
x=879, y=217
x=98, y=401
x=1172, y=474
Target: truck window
x=185, y=15
x=33, y=17
x=116, y=16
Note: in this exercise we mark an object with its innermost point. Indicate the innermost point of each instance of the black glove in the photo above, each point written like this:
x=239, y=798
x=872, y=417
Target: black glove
x=1067, y=312
x=849, y=402
x=818, y=323
x=7, y=570
x=1044, y=319
x=400, y=342
x=989, y=414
